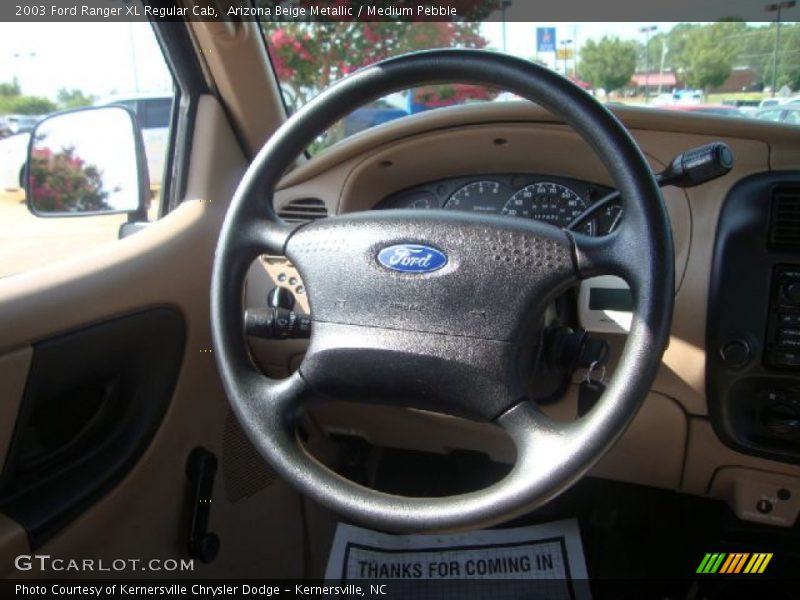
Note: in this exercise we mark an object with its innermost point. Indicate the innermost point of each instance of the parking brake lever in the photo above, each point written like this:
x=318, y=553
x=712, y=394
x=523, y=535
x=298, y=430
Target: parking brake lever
x=688, y=169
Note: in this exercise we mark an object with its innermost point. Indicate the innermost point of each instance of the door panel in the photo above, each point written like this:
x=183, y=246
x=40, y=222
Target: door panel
x=168, y=264
x=93, y=402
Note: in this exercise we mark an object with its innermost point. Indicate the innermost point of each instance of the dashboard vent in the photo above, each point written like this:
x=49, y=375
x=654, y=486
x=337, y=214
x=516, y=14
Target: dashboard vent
x=303, y=210
x=784, y=229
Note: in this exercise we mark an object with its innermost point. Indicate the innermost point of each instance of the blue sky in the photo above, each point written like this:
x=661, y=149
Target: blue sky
x=98, y=57
x=94, y=57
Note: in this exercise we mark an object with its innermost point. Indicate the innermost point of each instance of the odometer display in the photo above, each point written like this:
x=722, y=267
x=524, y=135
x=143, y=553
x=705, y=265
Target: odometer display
x=548, y=202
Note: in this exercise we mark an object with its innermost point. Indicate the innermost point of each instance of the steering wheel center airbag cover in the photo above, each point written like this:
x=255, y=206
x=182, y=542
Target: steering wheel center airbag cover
x=497, y=273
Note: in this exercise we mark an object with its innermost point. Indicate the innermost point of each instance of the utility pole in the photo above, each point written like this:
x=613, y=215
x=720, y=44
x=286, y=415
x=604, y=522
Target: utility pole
x=134, y=62
x=647, y=31
x=575, y=51
x=777, y=8
x=664, y=50
x=565, y=44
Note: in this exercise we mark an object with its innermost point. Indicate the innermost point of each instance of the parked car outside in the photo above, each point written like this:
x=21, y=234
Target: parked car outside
x=371, y=115
x=153, y=112
x=786, y=113
x=13, y=153
x=769, y=102
x=688, y=96
x=14, y=124
x=668, y=99
x=708, y=109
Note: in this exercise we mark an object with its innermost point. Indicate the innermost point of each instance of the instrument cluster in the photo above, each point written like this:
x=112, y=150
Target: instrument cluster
x=554, y=200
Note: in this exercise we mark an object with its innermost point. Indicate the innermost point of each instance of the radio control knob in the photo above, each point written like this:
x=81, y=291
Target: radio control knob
x=792, y=292
x=736, y=353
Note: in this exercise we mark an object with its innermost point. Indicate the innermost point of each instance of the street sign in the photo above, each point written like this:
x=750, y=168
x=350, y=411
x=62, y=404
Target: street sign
x=564, y=54
x=545, y=39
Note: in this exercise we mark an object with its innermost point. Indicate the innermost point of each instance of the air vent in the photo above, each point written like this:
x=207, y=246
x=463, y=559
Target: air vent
x=303, y=210
x=784, y=230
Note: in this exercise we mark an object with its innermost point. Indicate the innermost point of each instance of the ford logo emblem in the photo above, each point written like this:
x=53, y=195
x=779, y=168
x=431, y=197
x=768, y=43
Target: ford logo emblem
x=412, y=258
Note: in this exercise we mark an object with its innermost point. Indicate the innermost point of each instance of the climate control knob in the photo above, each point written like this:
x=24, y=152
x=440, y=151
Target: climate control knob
x=791, y=292
x=736, y=353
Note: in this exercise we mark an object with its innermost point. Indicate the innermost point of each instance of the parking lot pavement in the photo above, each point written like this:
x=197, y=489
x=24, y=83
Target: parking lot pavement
x=29, y=241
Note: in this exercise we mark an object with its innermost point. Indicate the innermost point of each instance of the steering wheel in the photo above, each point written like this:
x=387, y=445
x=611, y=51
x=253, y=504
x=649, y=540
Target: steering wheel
x=439, y=310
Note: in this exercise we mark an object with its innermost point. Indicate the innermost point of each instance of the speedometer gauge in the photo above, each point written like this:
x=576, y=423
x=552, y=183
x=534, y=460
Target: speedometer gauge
x=484, y=196
x=548, y=202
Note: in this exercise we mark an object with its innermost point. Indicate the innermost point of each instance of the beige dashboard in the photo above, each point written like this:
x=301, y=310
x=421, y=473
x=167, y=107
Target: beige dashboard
x=671, y=443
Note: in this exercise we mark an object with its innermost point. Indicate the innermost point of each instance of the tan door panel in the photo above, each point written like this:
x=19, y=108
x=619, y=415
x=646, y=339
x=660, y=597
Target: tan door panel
x=167, y=264
x=706, y=454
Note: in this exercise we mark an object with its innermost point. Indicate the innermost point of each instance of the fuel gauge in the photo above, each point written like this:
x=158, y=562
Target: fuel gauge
x=424, y=200
x=419, y=199
x=609, y=219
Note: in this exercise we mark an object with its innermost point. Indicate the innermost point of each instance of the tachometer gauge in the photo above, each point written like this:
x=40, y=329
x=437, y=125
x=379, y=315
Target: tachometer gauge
x=479, y=196
x=550, y=203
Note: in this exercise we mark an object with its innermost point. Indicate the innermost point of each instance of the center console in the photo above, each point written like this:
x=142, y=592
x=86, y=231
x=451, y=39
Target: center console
x=753, y=331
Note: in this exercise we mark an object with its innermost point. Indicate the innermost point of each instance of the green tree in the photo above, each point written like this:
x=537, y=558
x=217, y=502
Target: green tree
x=26, y=105
x=73, y=99
x=789, y=57
x=652, y=58
x=12, y=101
x=677, y=43
x=709, y=53
x=10, y=89
x=609, y=63
x=756, y=47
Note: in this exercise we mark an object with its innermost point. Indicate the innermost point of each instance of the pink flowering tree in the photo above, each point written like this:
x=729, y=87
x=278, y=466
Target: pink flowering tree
x=63, y=182
x=308, y=57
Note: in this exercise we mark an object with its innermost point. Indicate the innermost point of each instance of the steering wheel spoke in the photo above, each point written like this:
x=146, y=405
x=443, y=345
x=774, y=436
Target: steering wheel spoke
x=271, y=236
x=263, y=236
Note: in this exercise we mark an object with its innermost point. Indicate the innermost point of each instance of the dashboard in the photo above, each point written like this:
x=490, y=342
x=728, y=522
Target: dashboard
x=554, y=200
x=721, y=416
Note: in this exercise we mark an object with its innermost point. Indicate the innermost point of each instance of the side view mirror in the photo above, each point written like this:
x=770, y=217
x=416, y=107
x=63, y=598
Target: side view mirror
x=89, y=161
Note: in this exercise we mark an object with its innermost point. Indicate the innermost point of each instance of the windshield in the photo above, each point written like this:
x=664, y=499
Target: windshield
x=728, y=69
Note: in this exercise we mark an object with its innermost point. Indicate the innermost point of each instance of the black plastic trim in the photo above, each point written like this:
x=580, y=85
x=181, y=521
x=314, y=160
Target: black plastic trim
x=190, y=84
x=140, y=355
x=741, y=294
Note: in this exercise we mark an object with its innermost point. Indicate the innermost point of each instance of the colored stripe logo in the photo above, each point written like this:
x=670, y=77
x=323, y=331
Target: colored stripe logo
x=736, y=562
